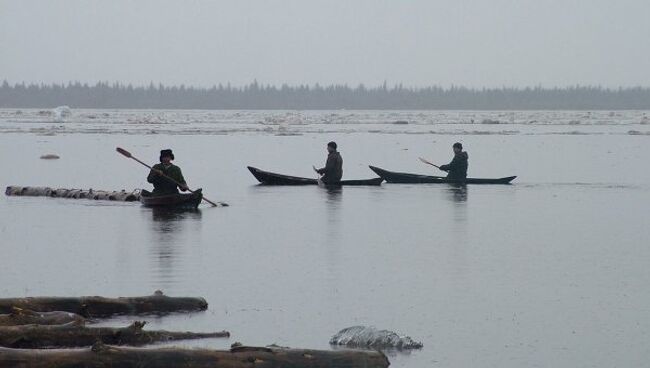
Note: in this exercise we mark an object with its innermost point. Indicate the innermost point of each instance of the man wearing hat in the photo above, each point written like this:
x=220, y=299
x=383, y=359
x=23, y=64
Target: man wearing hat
x=333, y=170
x=161, y=184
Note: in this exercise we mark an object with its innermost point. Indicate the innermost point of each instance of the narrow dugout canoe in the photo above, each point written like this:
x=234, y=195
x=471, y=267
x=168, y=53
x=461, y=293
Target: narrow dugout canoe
x=269, y=178
x=172, y=201
x=406, y=178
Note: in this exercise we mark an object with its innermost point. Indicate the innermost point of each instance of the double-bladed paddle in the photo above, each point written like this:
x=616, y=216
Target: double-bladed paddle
x=129, y=155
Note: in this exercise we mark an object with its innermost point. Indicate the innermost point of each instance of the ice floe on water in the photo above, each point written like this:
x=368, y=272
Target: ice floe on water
x=61, y=112
x=62, y=120
x=636, y=132
x=370, y=337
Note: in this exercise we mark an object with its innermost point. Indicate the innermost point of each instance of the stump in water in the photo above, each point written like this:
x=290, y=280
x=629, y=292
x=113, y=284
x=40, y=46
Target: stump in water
x=370, y=337
x=101, y=356
x=97, y=306
x=20, y=316
x=74, y=335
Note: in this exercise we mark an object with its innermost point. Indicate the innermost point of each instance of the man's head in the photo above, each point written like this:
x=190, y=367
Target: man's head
x=458, y=148
x=331, y=147
x=166, y=156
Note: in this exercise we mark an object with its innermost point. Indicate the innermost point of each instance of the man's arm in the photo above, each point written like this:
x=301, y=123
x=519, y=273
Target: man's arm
x=181, y=180
x=154, y=175
x=329, y=165
x=449, y=166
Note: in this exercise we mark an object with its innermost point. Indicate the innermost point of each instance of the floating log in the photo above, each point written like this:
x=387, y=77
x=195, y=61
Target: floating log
x=97, y=306
x=74, y=335
x=50, y=156
x=106, y=195
x=20, y=316
x=102, y=356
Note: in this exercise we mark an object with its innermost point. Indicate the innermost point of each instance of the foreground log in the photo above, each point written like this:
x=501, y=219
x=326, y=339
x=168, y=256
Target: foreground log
x=20, y=316
x=106, y=195
x=97, y=306
x=74, y=335
x=101, y=356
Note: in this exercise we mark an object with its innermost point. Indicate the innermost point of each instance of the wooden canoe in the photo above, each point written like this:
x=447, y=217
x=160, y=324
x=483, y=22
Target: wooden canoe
x=269, y=178
x=172, y=201
x=406, y=178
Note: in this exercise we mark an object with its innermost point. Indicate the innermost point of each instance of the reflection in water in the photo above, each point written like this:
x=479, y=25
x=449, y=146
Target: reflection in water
x=169, y=229
x=165, y=216
x=334, y=194
x=457, y=195
x=457, y=192
x=332, y=246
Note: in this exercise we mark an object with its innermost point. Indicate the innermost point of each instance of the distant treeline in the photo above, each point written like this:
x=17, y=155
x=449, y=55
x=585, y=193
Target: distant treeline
x=304, y=97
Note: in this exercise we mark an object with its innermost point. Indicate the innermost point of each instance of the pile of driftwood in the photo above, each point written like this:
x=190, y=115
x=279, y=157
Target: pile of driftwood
x=106, y=195
x=56, y=332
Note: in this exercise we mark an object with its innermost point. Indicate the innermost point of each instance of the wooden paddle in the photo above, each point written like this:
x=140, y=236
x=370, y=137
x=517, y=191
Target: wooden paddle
x=128, y=154
x=429, y=163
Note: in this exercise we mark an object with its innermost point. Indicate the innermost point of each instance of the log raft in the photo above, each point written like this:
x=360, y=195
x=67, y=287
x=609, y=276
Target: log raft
x=20, y=316
x=98, y=307
x=107, y=195
x=101, y=356
x=74, y=335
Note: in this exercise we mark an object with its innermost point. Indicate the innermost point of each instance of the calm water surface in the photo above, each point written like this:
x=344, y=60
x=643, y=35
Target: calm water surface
x=551, y=271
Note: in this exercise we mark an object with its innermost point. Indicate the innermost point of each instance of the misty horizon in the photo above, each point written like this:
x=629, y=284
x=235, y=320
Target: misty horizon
x=257, y=96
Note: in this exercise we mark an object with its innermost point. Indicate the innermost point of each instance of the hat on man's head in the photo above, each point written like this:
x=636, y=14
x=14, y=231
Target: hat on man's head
x=166, y=153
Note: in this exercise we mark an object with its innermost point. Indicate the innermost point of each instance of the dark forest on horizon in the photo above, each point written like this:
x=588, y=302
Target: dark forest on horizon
x=317, y=97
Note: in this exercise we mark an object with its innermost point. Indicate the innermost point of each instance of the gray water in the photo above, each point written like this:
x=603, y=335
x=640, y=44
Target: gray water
x=550, y=271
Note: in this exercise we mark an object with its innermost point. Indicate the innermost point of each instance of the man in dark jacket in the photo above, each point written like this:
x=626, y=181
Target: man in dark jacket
x=333, y=170
x=161, y=184
x=457, y=168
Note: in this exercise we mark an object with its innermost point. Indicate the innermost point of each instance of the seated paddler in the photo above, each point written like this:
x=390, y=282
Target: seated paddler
x=457, y=168
x=333, y=170
x=165, y=176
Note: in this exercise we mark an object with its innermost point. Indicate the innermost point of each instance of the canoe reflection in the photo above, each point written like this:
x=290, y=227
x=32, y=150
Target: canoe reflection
x=171, y=216
x=457, y=192
x=171, y=233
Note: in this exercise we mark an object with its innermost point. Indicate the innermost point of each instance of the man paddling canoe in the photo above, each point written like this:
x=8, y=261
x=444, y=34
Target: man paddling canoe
x=457, y=168
x=333, y=170
x=161, y=184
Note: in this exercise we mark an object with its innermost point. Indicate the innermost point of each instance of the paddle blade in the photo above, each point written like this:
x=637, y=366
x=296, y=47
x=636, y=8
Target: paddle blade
x=123, y=151
x=426, y=162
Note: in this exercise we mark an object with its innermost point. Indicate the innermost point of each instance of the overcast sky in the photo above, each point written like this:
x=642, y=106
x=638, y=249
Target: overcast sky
x=419, y=42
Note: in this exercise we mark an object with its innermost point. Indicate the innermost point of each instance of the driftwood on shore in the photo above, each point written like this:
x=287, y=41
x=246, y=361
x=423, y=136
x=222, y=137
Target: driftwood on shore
x=74, y=335
x=101, y=356
x=20, y=316
x=97, y=306
x=107, y=195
